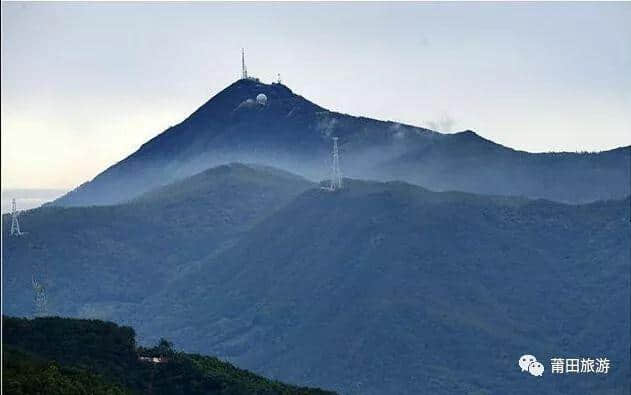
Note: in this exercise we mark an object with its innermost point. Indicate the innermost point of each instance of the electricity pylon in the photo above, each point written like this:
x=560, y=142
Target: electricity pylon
x=41, y=307
x=15, y=224
x=336, y=173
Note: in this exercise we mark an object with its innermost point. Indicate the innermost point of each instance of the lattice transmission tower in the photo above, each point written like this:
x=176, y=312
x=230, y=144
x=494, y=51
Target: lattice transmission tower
x=15, y=224
x=41, y=302
x=336, y=173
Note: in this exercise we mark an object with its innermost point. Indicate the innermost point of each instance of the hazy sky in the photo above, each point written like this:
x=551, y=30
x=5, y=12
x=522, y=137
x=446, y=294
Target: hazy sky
x=84, y=85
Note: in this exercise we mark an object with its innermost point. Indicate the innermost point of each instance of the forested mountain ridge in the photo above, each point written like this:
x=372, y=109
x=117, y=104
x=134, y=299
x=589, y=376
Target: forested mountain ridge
x=111, y=257
x=398, y=289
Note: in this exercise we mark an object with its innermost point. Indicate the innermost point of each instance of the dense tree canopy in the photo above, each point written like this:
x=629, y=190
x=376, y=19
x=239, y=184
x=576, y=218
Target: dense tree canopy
x=64, y=356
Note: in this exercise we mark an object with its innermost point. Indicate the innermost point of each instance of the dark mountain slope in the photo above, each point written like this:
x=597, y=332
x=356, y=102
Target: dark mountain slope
x=495, y=169
x=24, y=373
x=227, y=128
x=390, y=288
x=292, y=133
x=97, y=261
x=66, y=356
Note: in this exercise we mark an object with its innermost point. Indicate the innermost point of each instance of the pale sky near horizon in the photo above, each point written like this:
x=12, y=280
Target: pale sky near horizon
x=84, y=85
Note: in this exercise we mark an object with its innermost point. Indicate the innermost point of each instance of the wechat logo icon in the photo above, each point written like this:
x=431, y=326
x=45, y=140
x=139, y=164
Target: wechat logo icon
x=528, y=363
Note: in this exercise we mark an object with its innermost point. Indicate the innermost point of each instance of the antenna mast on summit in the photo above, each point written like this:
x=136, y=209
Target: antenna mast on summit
x=244, y=70
x=15, y=224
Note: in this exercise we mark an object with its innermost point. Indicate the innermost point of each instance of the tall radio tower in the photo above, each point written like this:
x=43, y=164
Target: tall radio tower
x=244, y=70
x=15, y=224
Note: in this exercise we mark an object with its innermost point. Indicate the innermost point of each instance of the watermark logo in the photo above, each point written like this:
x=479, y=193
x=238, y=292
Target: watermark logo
x=536, y=368
x=580, y=365
x=528, y=363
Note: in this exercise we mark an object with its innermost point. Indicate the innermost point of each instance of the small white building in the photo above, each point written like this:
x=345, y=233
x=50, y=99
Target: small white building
x=153, y=359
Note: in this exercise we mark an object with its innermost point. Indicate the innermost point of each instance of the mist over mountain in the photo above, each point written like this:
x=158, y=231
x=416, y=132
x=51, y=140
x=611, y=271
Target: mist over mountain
x=267, y=239
x=294, y=134
x=28, y=198
x=376, y=288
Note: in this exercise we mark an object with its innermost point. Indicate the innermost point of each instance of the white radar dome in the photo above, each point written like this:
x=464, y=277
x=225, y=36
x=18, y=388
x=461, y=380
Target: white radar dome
x=261, y=99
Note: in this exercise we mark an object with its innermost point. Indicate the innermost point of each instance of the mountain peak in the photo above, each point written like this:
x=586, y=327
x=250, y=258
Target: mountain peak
x=245, y=94
x=248, y=83
x=468, y=133
x=252, y=87
x=469, y=136
x=254, y=122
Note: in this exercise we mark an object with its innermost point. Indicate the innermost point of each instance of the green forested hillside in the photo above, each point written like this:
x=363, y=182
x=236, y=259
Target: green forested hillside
x=111, y=257
x=391, y=288
x=66, y=356
x=25, y=373
x=378, y=288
